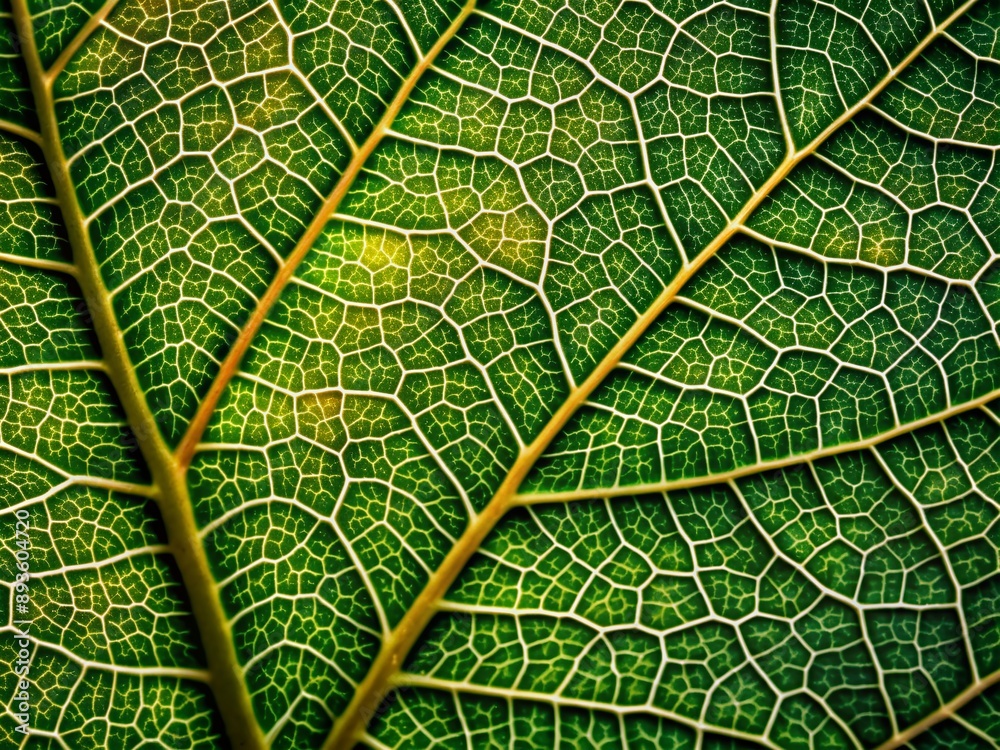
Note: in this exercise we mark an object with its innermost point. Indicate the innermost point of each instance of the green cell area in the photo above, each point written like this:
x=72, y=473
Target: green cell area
x=69, y=420
x=15, y=96
x=30, y=225
x=43, y=318
x=818, y=351
x=101, y=708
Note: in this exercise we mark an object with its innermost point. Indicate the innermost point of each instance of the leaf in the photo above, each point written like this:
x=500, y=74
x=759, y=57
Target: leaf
x=536, y=373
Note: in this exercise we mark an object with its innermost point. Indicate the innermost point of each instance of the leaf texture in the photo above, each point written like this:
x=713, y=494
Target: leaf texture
x=578, y=374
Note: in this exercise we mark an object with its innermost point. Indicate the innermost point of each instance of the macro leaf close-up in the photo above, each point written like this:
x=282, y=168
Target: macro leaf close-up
x=510, y=374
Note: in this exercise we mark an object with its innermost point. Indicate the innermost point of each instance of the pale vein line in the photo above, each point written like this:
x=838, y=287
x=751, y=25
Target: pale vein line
x=39, y=263
x=102, y=483
x=114, y=485
x=97, y=565
x=54, y=367
x=531, y=498
x=786, y=131
x=21, y=131
x=412, y=680
x=369, y=694
x=414, y=44
x=183, y=673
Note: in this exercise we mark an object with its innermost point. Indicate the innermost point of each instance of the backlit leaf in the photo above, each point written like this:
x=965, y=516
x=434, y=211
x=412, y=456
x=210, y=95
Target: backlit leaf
x=527, y=373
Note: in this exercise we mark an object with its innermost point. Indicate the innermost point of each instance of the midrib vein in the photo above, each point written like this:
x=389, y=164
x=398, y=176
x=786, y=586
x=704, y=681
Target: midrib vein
x=349, y=729
x=189, y=443
x=170, y=487
x=169, y=467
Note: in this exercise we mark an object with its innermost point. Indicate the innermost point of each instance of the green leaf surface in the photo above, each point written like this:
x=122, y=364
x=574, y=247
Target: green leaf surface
x=527, y=373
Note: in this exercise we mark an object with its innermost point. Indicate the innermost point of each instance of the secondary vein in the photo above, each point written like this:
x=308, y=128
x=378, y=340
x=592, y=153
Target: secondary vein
x=666, y=485
x=392, y=654
x=189, y=443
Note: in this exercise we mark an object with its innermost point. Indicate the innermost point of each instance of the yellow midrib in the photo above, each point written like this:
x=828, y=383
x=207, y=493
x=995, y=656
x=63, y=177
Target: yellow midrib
x=169, y=489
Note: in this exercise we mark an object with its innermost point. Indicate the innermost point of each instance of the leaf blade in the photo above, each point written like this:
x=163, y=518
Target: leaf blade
x=332, y=491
